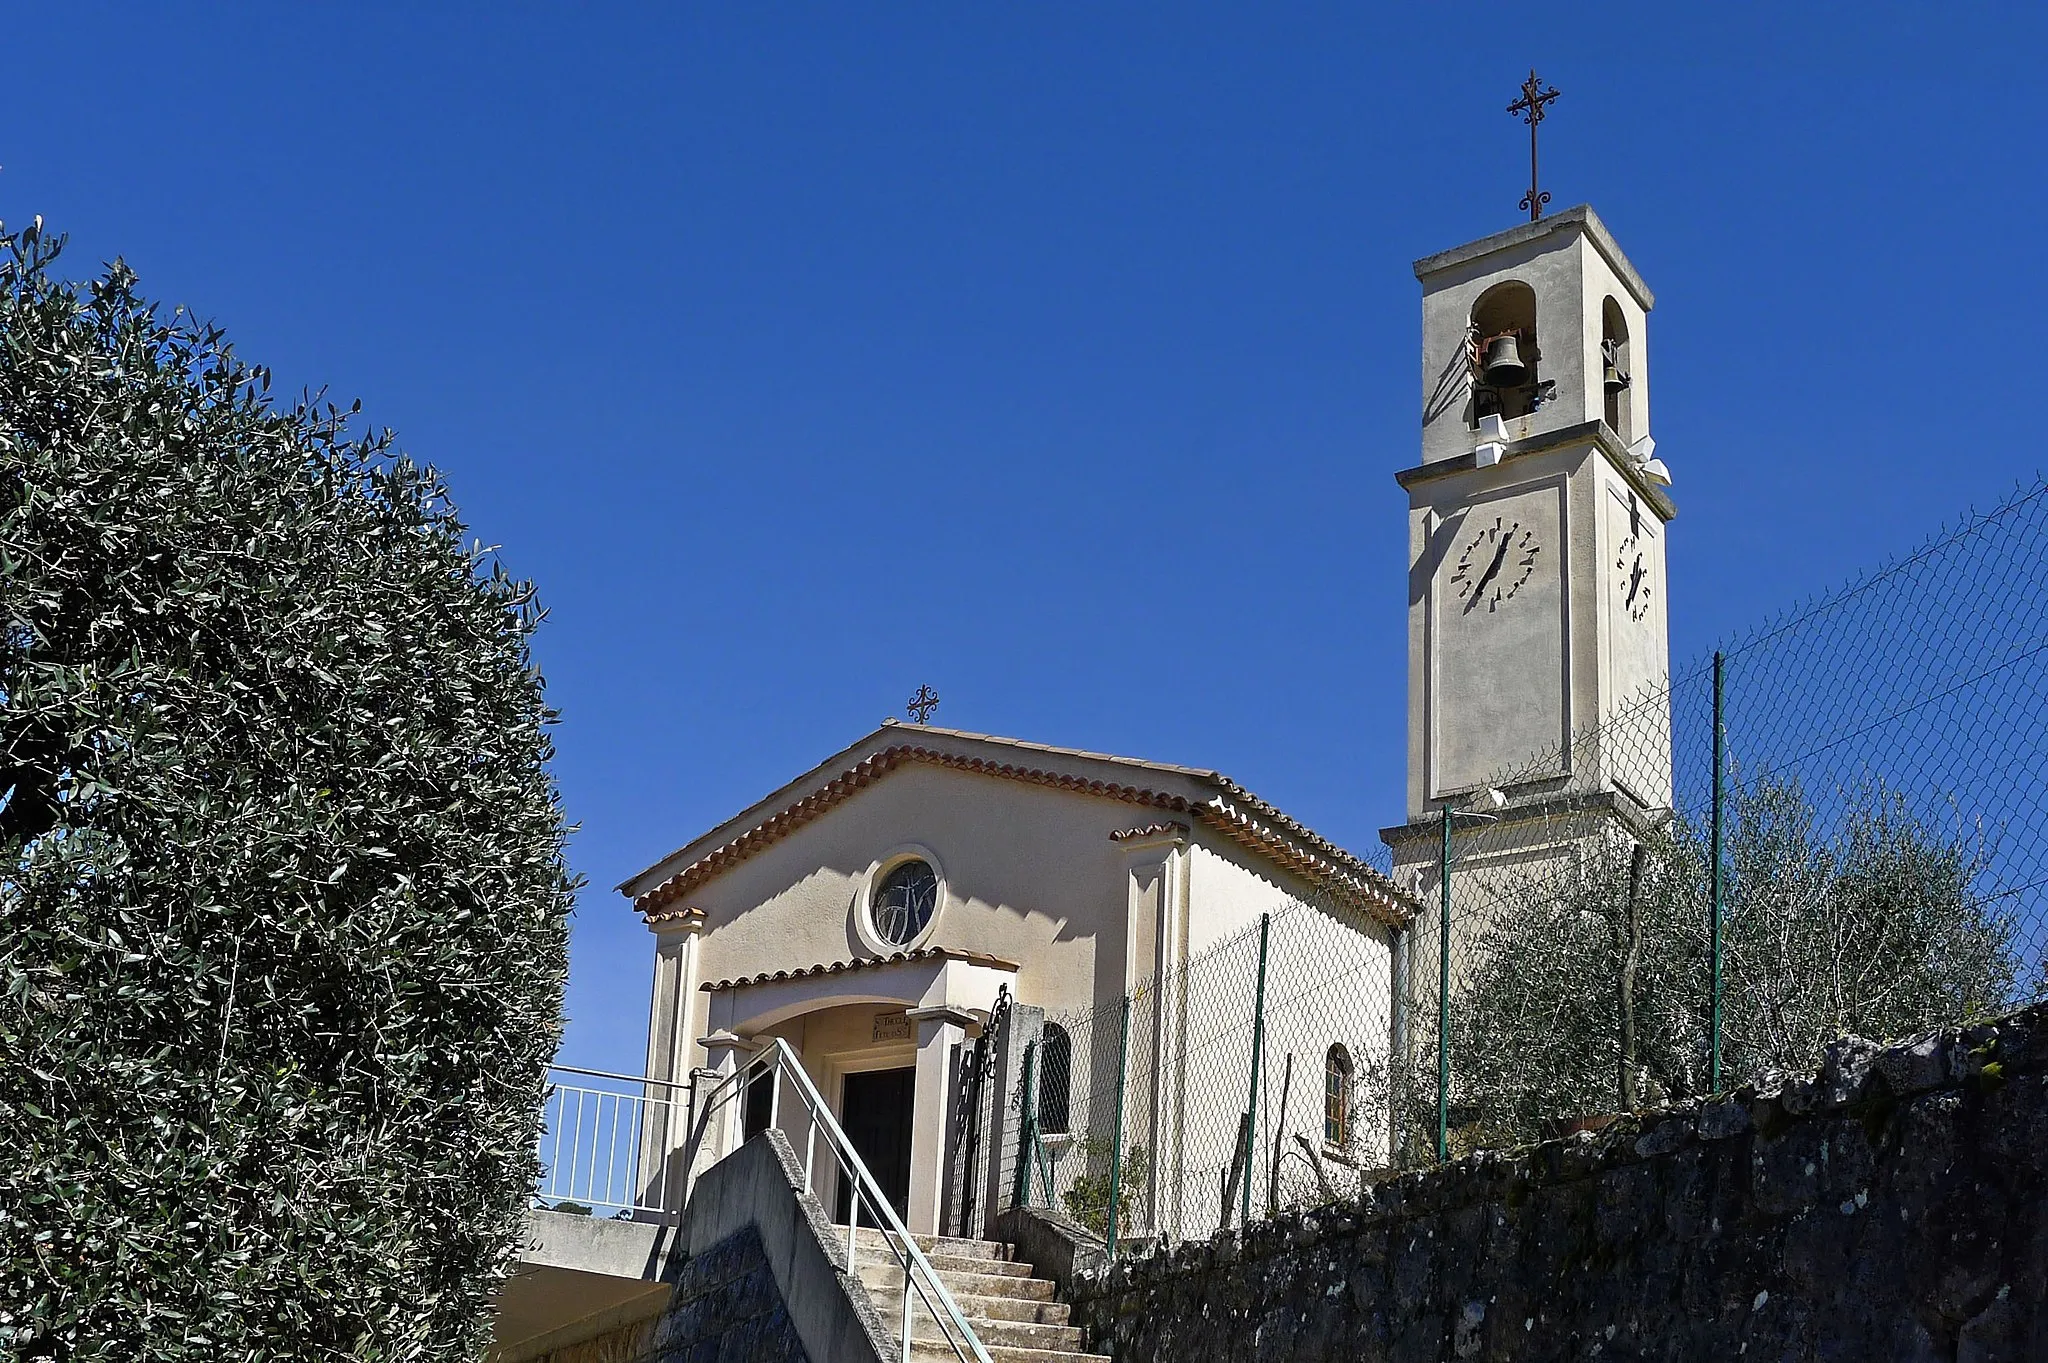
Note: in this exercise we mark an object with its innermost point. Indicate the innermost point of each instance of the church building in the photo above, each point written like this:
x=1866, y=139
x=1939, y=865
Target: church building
x=879, y=910
x=871, y=912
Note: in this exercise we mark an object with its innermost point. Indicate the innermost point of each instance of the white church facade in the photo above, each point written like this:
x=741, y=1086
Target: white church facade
x=871, y=912
x=878, y=911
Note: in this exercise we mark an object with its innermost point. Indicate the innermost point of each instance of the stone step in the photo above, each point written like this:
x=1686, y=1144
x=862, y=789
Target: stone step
x=887, y=1279
x=1011, y=1312
x=1011, y=1334
x=933, y=1244
x=1013, y=1308
x=946, y=1263
x=934, y=1352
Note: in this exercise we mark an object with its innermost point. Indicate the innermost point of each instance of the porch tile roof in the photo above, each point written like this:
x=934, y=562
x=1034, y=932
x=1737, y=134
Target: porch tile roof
x=864, y=963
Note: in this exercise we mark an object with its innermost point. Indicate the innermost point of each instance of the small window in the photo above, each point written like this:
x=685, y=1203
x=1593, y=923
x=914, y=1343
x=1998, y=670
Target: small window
x=1337, y=1098
x=1056, y=1081
x=904, y=902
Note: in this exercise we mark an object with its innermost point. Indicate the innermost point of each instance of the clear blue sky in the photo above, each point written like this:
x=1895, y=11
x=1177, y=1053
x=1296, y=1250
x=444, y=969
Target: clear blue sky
x=1059, y=357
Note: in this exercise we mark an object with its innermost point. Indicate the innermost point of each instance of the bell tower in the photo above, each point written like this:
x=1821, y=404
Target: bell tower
x=1536, y=531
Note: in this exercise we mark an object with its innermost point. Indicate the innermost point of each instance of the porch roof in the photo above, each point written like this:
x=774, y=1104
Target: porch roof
x=980, y=958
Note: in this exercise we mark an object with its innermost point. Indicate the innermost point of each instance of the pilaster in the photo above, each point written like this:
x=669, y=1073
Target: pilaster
x=940, y=1031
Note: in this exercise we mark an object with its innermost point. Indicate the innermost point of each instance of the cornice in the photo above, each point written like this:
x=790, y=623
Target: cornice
x=1585, y=432
x=1233, y=812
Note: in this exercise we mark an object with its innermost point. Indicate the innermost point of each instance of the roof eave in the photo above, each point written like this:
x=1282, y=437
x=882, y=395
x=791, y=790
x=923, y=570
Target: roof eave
x=1212, y=797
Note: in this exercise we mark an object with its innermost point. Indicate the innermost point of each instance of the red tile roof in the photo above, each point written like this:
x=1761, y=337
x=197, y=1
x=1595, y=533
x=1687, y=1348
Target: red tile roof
x=865, y=963
x=1218, y=803
x=1151, y=830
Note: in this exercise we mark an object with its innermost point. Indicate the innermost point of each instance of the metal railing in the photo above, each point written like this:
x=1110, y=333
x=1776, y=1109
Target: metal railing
x=778, y=1067
x=599, y=1130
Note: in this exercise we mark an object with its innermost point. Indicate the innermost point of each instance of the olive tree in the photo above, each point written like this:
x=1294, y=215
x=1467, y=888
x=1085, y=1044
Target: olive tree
x=1589, y=989
x=283, y=896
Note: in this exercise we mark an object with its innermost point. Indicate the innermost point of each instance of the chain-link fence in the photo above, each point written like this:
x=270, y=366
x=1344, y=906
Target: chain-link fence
x=1836, y=824
x=1256, y=1076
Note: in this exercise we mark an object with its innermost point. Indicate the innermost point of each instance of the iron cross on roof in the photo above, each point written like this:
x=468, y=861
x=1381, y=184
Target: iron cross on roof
x=922, y=704
x=1530, y=106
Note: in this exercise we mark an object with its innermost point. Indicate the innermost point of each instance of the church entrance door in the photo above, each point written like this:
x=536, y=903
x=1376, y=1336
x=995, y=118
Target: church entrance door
x=875, y=1109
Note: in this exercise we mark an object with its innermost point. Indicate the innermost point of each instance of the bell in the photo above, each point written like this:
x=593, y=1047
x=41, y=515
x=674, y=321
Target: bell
x=1612, y=380
x=1502, y=367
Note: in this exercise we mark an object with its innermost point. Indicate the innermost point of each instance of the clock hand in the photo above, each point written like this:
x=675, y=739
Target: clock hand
x=1492, y=569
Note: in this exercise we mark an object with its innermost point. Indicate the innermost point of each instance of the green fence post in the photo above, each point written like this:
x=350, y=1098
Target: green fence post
x=1443, y=993
x=1251, y=1121
x=1027, y=1133
x=1719, y=888
x=1116, y=1144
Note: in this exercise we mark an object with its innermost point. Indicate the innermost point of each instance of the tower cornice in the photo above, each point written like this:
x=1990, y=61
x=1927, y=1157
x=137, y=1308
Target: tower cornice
x=1586, y=432
x=1579, y=217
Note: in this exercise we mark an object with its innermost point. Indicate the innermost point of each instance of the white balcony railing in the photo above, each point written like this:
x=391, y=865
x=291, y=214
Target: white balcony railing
x=605, y=1140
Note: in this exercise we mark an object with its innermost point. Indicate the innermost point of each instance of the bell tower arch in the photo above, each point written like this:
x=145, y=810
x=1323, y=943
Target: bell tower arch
x=1506, y=362
x=1536, y=534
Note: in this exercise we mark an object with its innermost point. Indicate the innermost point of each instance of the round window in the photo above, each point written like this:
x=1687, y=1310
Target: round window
x=905, y=899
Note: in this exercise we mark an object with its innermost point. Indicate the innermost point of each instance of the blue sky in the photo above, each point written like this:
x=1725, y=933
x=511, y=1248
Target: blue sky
x=1059, y=357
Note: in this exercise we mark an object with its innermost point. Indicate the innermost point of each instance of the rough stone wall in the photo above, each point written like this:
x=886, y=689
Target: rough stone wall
x=727, y=1309
x=1893, y=1207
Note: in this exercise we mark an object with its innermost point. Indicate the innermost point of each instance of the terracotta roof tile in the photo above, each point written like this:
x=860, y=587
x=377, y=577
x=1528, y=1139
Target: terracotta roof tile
x=682, y=915
x=1151, y=830
x=1230, y=810
x=864, y=963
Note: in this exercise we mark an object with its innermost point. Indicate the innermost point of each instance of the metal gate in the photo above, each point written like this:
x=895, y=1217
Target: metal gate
x=972, y=1151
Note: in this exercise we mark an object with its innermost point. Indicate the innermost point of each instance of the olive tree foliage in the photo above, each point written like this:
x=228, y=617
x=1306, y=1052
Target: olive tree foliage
x=1590, y=987
x=283, y=897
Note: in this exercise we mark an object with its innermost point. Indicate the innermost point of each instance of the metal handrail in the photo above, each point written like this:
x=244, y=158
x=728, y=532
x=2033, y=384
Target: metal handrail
x=625, y=1078
x=918, y=1273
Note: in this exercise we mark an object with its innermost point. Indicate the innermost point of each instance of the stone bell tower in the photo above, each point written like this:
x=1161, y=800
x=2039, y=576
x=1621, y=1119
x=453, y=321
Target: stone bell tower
x=1536, y=588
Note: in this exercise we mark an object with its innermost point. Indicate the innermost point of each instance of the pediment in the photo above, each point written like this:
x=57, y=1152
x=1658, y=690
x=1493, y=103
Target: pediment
x=1206, y=798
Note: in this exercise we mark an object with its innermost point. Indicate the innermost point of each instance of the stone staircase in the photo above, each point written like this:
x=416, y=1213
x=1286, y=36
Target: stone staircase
x=1011, y=1312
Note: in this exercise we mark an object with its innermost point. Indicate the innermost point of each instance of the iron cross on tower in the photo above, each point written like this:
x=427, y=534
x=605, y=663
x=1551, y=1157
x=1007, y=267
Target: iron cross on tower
x=922, y=704
x=1530, y=107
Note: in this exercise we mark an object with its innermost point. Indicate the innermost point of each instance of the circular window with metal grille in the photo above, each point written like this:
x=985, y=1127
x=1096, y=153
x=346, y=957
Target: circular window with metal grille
x=904, y=901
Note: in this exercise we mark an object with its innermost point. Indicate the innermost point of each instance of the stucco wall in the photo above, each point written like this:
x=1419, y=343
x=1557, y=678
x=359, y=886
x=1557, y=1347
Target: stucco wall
x=1894, y=1207
x=1226, y=895
x=1030, y=874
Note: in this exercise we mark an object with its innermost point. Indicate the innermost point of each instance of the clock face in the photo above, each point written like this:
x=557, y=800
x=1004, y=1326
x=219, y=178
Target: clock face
x=1632, y=577
x=1495, y=564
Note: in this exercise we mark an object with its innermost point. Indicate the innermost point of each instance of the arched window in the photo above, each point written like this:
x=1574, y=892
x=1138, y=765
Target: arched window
x=1615, y=362
x=1055, y=1081
x=1507, y=361
x=1337, y=1097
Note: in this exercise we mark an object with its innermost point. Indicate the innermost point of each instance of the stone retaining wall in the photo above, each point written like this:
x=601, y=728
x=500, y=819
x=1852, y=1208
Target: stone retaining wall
x=728, y=1309
x=1893, y=1207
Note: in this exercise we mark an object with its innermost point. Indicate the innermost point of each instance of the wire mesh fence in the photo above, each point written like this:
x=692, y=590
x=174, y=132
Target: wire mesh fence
x=1254, y=1076
x=1836, y=824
